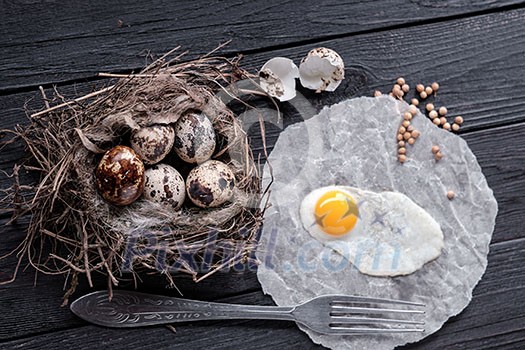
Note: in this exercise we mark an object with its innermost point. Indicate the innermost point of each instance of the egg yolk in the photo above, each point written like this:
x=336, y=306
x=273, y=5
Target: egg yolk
x=336, y=213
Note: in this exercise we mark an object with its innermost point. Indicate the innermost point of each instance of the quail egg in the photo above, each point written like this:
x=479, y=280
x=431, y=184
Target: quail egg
x=322, y=70
x=153, y=143
x=210, y=184
x=194, y=138
x=164, y=185
x=120, y=176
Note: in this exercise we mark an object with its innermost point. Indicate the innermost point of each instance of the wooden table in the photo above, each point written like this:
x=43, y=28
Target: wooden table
x=475, y=51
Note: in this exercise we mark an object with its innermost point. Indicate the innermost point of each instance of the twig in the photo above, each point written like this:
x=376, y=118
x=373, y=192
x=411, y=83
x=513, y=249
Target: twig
x=217, y=48
x=86, y=253
x=218, y=268
x=69, y=103
x=62, y=238
x=174, y=59
x=71, y=290
x=15, y=273
x=113, y=75
x=68, y=263
x=44, y=97
x=160, y=59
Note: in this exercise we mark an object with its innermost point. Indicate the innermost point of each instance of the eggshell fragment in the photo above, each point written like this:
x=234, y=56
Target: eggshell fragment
x=153, y=143
x=120, y=176
x=322, y=70
x=165, y=185
x=210, y=184
x=277, y=78
x=194, y=138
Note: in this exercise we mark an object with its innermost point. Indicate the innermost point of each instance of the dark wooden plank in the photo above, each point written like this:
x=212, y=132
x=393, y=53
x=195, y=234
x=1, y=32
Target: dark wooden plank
x=480, y=75
x=497, y=151
x=28, y=308
x=56, y=41
x=493, y=313
x=478, y=61
x=484, y=84
x=206, y=335
x=494, y=319
x=500, y=152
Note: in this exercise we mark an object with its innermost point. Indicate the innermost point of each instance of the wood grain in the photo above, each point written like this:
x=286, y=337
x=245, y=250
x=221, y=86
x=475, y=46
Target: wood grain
x=30, y=309
x=478, y=61
x=493, y=308
x=480, y=75
x=216, y=335
x=500, y=152
x=499, y=155
x=55, y=41
x=475, y=51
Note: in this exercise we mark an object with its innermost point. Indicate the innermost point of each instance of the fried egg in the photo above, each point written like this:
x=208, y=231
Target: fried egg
x=381, y=234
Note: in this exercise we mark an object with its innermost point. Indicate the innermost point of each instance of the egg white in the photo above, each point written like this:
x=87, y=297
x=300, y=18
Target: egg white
x=393, y=236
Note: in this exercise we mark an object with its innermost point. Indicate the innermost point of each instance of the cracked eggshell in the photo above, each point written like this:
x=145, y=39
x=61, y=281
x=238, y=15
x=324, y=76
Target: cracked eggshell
x=322, y=70
x=120, y=176
x=153, y=143
x=277, y=78
x=194, y=138
x=165, y=185
x=210, y=184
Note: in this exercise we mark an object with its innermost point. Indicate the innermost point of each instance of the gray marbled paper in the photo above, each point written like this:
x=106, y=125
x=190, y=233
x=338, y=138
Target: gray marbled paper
x=353, y=144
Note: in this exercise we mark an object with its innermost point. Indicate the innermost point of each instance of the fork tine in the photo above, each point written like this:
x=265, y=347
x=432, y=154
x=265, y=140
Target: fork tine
x=350, y=330
x=344, y=299
x=340, y=319
x=373, y=310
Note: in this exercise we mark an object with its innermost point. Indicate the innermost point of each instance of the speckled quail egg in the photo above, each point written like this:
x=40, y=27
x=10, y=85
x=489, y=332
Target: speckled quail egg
x=120, y=176
x=194, y=138
x=210, y=184
x=153, y=143
x=164, y=185
x=277, y=78
x=322, y=70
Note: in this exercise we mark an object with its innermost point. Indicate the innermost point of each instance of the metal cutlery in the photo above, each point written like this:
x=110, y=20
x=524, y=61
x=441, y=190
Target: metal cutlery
x=327, y=314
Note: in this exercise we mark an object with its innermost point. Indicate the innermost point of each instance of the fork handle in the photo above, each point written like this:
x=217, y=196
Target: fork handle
x=131, y=309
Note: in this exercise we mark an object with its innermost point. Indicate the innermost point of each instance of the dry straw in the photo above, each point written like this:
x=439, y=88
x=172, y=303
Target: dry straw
x=87, y=235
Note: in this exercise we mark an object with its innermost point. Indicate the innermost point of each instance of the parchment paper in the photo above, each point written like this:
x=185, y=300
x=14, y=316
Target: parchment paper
x=353, y=144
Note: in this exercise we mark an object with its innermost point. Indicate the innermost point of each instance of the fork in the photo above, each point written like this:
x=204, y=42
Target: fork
x=327, y=314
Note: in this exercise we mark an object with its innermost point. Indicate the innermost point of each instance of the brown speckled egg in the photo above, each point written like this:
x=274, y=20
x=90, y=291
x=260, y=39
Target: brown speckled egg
x=164, y=185
x=120, y=176
x=210, y=184
x=153, y=143
x=194, y=138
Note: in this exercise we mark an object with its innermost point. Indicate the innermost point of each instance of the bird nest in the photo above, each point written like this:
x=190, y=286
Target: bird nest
x=89, y=235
